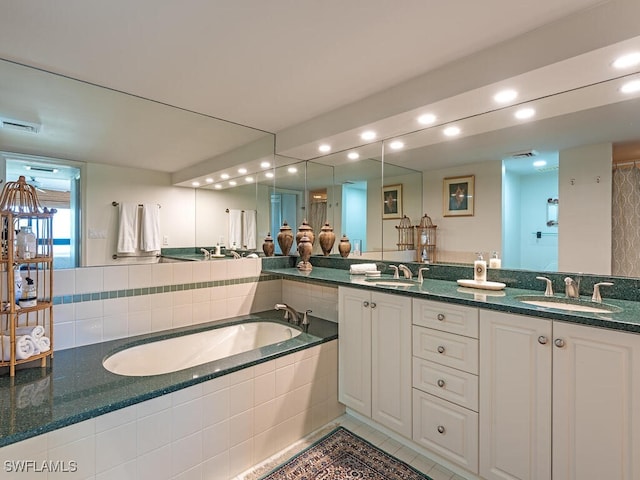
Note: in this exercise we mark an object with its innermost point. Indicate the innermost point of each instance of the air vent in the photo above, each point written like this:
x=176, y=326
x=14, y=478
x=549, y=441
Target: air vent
x=524, y=154
x=19, y=125
x=41, y=169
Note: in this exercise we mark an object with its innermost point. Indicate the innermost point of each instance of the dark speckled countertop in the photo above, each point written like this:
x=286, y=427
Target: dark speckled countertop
x=503, y=300
x=76, y=387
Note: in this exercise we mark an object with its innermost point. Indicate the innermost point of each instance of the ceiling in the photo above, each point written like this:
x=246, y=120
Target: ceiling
x=292, y=67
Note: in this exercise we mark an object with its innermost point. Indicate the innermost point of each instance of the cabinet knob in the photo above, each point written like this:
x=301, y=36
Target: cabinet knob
x=441, y=316
x=365, y=304
x=559, y=342
x=373, y=305
x=440, y=349
x=441, y=429
x=542, y=340
x=440, y=383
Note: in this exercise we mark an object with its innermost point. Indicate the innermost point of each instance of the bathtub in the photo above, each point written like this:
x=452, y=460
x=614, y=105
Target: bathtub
x=186, y=351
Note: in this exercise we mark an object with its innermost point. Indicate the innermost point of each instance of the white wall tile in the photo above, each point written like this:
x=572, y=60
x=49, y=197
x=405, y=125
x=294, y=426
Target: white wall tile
x=139, y=303
x=182, y=273
x=240, y=457
x=215, y=407
x=186, y=419
x=81, y=451
x=70, y=434
x=115, y=419
x=240, y=397
x=182, y=297
x=87, y=331
x=161, y=274
x=219, y=269
x=124, y=470
x=215, y=439
x=140, y=276
x=115, y=326
x=161, y=319
x=139, y=323
x=186, y=453
x=182, y=316
x=217, y=468
x=115, y=446
x=89, y=279
x=155, y=464
x=264, y=388
x=84, y=310
x=65, y=336
x=64, y=281
x=115, y=278
x=201, y=272
x=115, y=306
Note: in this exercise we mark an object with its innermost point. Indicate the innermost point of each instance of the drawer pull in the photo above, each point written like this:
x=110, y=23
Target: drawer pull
x=440, y=383
x=559, y=342
x=440, y=349
x=373, y=305
x=542, y=340
x=441, y=316
x=365, y=304
x=441, y=429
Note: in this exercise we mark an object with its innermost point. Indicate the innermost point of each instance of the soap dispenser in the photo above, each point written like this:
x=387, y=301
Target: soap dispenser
x=480, y=269
x=494, y=261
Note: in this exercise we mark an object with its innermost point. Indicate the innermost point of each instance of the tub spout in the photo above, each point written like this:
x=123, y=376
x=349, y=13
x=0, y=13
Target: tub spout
x=290, y=313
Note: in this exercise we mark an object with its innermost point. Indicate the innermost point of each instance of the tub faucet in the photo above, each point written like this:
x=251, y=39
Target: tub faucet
x=420, y=274
x=395, y=271
x=572, y=288
x=404, y=269
x=207, y=255
x=291, y=315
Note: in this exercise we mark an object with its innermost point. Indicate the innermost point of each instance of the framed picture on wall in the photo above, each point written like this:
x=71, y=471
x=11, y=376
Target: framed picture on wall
x=392, y=201
x=458, y=196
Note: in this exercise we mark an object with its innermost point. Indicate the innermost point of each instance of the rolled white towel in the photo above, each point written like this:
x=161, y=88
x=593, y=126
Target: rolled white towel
x=43, y=344
x=362, y=268
x=25, y=347
x=35, y=332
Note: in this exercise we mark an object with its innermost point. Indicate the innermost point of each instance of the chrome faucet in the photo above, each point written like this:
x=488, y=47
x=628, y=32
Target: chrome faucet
x=395, y=271
x=572, y=288
x=404, y=269
x=291, y=315
x=548, y=292
x=207, y=255
x=596, y=291
x=420, y=276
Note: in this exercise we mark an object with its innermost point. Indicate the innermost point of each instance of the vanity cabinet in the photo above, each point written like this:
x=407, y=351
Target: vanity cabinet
x=445, y=380
x=557, y=400
x=374, y=344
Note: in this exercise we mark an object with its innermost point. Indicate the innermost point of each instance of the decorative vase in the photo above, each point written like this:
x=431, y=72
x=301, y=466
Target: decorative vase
x=268, y=247
x=304, y=249
x=285, y=238
x=344, y=247
x=305, y=229
x=326, y=238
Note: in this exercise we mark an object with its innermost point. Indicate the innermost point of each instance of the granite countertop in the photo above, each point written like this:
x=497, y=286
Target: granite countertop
x=628, y=319
x=76, y=387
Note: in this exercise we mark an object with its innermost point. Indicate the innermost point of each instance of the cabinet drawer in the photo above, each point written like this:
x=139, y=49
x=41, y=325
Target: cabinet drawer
x=447, y=429
x=445, y=348
x=446, y=317
x=447, y=383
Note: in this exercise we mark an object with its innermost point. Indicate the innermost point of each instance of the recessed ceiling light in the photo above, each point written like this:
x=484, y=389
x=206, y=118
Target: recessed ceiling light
x=195, y=184
x=232, y=183
x=242, y=171
x=269, y=174
x=505, y=96
x=368, y=135
x=324, y=148
x=539, y=163
x=628, y=60
x=525, y=113
x=631, y=87
x=292, y=170
x=396, y=144
x=451, y=131
x=265, y=165
x=224, y=176
x=217, y=186
x=209, y=180
x=353, y=155
x=426, y=119
x=248, y=179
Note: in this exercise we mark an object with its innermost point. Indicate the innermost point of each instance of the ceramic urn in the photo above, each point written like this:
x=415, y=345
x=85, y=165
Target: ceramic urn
x=268, y=247
x=305, y=229
x=285, y=238
x=304, y=249
x=326, y=238
x=344, y=247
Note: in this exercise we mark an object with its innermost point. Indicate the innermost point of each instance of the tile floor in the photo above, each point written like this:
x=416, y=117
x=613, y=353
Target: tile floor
x=379, y=439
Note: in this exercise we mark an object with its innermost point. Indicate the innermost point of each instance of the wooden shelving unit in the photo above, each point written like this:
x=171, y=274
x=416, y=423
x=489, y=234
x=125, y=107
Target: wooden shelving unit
x=19, y=207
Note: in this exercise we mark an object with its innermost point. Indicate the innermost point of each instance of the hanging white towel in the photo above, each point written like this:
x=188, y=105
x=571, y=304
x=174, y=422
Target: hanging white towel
x=235, y=228
x=150, y=228
x=249, y=233
x=128, y=228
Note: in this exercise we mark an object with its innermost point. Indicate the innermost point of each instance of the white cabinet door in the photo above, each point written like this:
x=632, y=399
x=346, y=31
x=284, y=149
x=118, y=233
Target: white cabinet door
x=354, y=349
x=391, y=361
x=515, y=397
x=596, y=403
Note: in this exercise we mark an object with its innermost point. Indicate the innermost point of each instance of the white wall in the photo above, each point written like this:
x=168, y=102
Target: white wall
x=458, y=238
x=584, y=213
x=105, y=184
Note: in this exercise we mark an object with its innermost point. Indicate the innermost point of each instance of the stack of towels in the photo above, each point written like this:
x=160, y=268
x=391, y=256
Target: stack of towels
x=362, y=268
x=29, y=341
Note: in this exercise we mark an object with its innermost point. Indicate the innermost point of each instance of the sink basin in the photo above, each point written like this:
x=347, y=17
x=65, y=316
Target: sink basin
x=568, y=304
x=391, y=282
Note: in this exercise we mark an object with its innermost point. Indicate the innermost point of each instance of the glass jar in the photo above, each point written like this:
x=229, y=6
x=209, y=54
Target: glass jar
x=25, y=244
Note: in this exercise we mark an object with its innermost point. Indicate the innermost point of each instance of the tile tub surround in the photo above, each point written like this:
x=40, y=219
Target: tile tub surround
x=214, y=429
x=77, y=387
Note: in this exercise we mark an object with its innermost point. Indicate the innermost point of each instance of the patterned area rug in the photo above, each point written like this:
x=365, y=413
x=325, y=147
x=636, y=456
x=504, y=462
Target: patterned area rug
x=340, y=455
